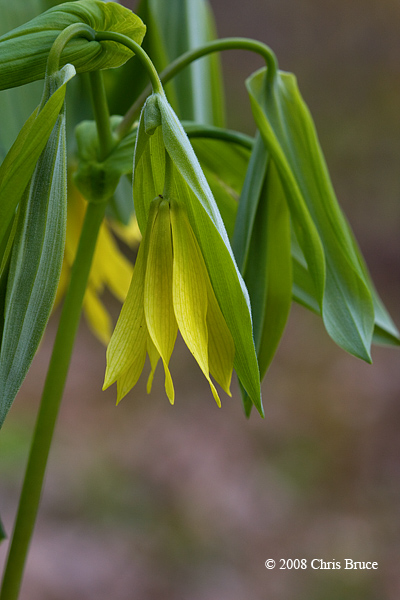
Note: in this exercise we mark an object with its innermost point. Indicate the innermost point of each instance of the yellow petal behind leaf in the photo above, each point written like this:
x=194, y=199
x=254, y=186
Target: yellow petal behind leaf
x=116, y=270
x=158, y=307
x=190, y=290
x=97, y=316
x=130, y=234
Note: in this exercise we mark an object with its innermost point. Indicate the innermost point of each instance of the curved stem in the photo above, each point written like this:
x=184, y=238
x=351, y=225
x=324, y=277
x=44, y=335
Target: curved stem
x=197, y=130
x=185, y=59
x=55, y=383
x=140, y=53
x=70, y=32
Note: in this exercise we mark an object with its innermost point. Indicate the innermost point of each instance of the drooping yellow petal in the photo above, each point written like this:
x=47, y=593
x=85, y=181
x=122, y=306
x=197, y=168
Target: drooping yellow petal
x=129, y=379
x=221, y=347
x=130, y=234
x=190, y=290
x=125, y=349
x=158, y=307
x=97, y=316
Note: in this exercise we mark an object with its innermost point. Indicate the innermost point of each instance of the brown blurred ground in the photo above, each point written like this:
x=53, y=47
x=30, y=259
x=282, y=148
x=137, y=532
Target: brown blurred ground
x=147, y=501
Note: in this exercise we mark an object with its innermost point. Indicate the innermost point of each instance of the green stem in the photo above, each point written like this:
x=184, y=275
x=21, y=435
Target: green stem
x=49, y=407
x=140, y=53
x=185, y=59
x=70, y=32
x=101, y=114
x=54, y=385
x=198, y=130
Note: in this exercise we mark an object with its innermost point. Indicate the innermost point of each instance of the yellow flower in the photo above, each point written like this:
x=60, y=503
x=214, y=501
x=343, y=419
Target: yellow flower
x=170, y=289
x=109, y=269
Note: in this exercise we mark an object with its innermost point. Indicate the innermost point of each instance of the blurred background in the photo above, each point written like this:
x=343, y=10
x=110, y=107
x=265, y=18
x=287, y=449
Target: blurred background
x=148, y=501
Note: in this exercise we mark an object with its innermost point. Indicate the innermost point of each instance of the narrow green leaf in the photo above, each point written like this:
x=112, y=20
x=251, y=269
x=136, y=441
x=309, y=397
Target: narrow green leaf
x=24, y=50
x=268, y=275
x=248, y=203
x=36, y=257
x=19, y=164
x=385, y=332
x=262, y=246
x=15, y=105
x=289, y=133
x=303, y=224
x=224, y=164
x=185, y=25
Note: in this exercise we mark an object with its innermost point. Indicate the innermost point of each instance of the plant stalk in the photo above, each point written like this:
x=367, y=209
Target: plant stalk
x=58, y=370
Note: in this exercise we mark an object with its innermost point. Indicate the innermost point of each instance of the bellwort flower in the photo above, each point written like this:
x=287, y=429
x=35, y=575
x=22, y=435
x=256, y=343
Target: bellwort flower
x=185, y=275
x=170, y=289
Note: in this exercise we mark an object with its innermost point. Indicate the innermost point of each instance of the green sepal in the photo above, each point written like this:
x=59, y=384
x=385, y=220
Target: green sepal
x=19, y=164
x=288, y=131
x=159, y=131
x=24, y=50
x=36, y=256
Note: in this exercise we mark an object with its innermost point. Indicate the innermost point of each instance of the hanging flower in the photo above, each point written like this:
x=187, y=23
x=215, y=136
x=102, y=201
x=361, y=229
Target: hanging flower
x=186, y=276
x=170, y=290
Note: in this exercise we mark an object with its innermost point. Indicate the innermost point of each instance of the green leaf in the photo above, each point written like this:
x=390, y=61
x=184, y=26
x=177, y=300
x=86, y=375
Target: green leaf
x=133, y=71
x=385, y=332
x=19, y=164
x=15, y=105
x=24, y=50
x=5, y=257
x=289, y=134
x=261, y=243
x=160, y=131
x=36, y=257
x=185, y=25
x=224, y=164
x=302, y=222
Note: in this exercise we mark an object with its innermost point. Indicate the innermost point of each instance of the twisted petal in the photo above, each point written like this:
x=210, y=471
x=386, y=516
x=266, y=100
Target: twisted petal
x=190, y=291
x=158, y=307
